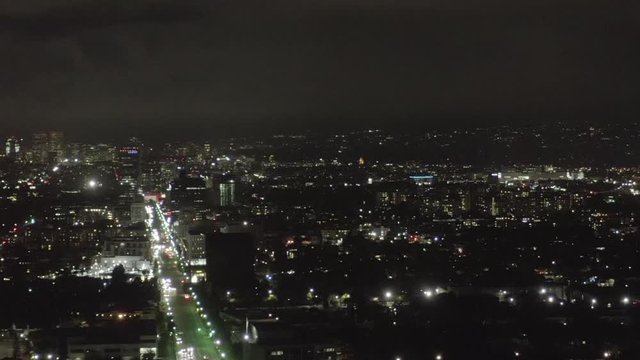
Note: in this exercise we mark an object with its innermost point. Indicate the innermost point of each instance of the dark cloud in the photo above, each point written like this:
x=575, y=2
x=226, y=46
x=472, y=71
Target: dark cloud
x=217, y=65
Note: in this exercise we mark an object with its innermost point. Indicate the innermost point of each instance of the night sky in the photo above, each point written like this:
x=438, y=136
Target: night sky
x=166, y=68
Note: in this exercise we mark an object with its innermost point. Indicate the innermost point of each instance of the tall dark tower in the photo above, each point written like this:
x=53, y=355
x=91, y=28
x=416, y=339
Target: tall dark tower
x=230, y=254
x=230, y=260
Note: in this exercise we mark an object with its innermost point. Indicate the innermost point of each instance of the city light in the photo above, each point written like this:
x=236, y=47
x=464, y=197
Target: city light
x=626, y=300
x=479, y=222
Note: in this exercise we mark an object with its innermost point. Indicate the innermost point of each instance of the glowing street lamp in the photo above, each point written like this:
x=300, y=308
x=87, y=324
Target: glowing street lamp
x=625, y=300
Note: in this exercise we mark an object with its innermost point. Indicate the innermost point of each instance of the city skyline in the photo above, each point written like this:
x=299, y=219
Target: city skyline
x=493, y=243
x=319, y=180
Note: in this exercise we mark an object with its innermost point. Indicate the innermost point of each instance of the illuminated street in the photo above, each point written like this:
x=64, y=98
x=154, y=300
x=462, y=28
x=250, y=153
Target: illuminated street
x=194, y=335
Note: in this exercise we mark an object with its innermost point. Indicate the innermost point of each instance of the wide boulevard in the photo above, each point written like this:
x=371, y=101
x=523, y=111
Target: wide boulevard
x=194, y=335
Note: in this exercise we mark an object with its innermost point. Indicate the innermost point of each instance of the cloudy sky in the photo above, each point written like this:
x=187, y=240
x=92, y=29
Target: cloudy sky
x=194, y=67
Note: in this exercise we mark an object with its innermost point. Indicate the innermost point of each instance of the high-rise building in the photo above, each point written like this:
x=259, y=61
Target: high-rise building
x=98, y=153
x=494, y=207
x=56, y=144
x=230, y=262
x=227, y=193
x=128, y=162
x=40, y=148
x=12, y=147
x=204, y=156
x=194, y=243
x=187, y=192
x=48, y=147
x=138, y=212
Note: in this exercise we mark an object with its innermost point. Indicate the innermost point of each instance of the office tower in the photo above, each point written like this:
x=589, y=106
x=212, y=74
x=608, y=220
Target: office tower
x=12, y=147
x=187, y=192
x=48, y=147
x=230, y=262
x=56, y=144
x=128, y=162
x=40, y=148
x=227, y=193
x=98, y=153
x=138, y=212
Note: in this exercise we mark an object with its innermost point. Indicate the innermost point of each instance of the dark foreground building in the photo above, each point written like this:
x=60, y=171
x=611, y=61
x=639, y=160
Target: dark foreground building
x=230, y=263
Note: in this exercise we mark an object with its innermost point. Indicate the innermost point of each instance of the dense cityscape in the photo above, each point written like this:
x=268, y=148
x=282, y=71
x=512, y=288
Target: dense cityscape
x=496, y=242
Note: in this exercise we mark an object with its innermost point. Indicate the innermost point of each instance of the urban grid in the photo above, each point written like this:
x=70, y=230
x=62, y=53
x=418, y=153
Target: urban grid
x=356, y=245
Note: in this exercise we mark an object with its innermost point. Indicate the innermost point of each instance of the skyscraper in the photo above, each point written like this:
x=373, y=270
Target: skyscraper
x=128, y=162
x=48, y=147
x=187, y=192
x=227, y=193
x=12, y=146
x=56, y=144
x=40, y=149
x=230, y=262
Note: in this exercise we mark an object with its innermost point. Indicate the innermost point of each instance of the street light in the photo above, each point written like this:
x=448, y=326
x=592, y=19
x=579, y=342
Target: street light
x=625, y=300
